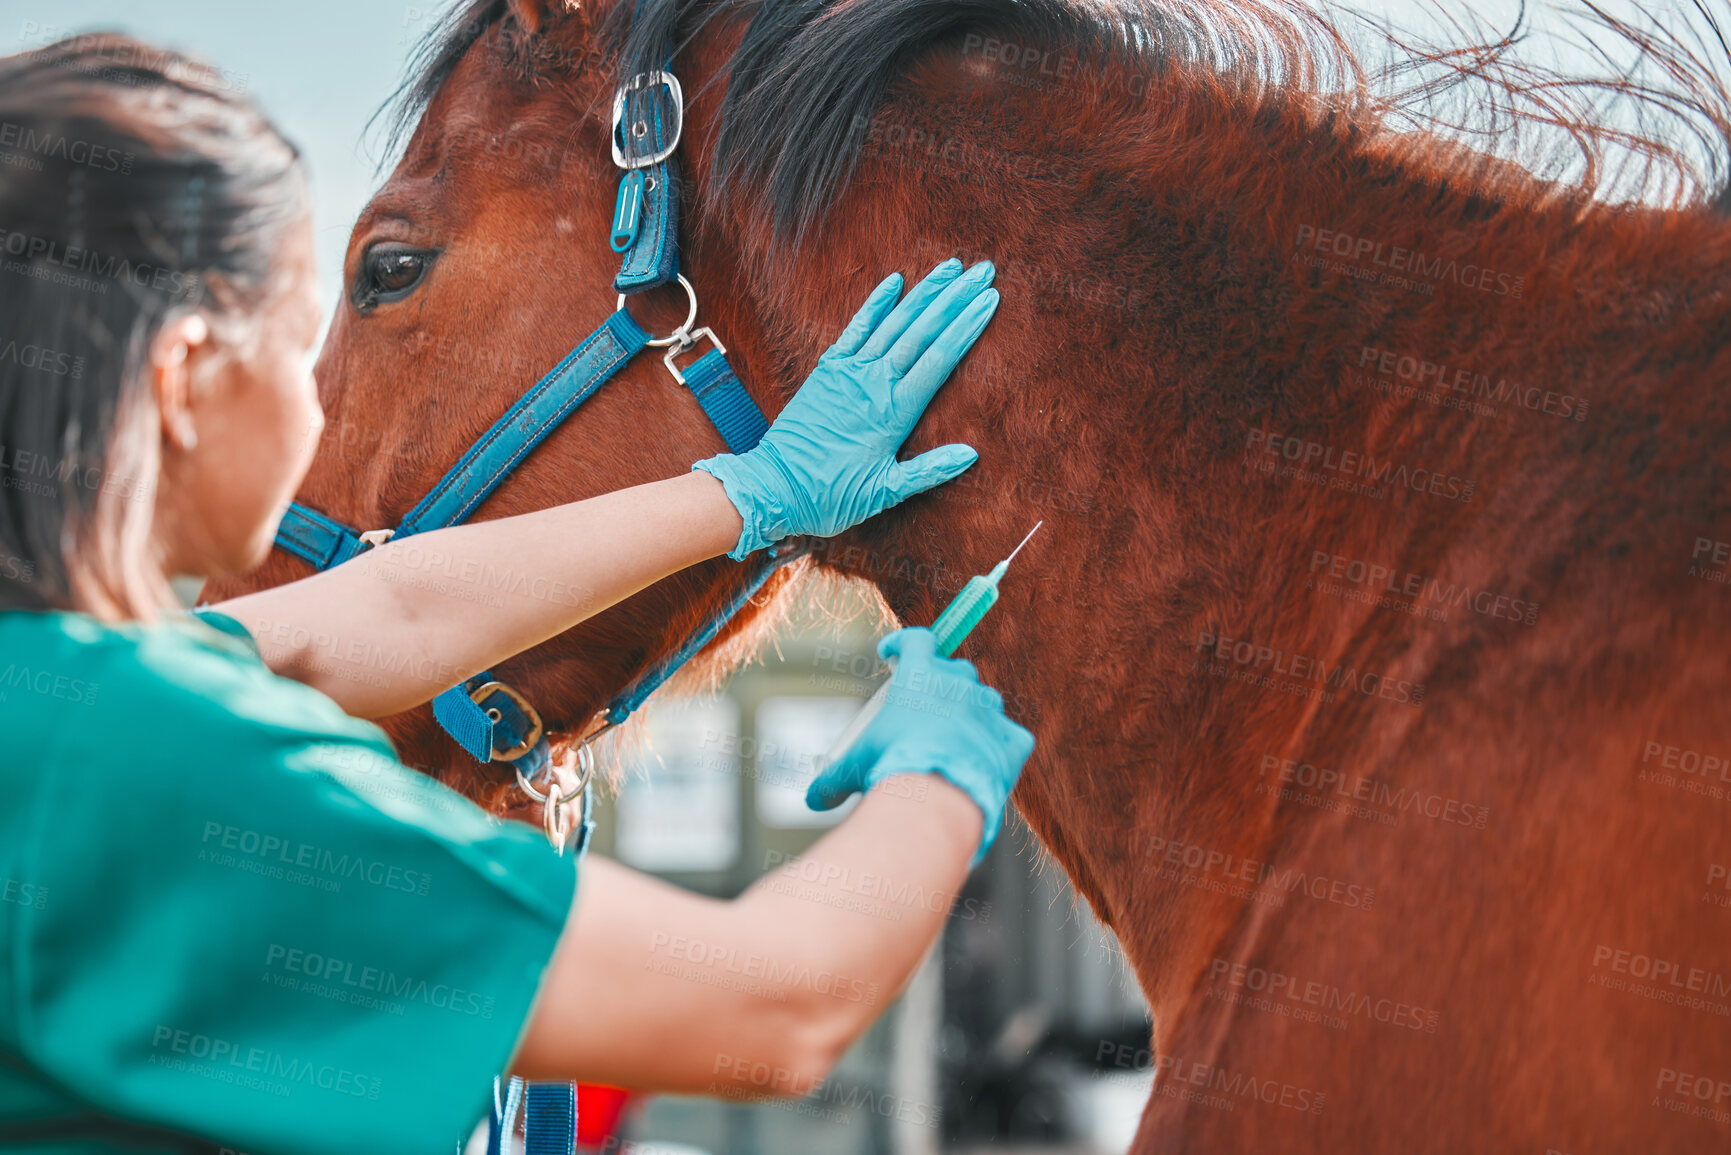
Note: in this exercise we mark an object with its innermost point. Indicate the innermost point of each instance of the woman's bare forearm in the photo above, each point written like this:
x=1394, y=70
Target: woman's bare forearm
x=402, y=622
x=658, y=989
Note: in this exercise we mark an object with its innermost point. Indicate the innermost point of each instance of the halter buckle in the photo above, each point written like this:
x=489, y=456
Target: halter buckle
x=688, y=342
x=512, y=753
x=640, y=81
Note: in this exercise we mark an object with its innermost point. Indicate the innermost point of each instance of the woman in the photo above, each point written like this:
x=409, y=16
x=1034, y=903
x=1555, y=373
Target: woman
x=231, y=917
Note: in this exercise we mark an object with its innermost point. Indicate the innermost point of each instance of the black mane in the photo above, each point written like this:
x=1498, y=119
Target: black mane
x=808, y=75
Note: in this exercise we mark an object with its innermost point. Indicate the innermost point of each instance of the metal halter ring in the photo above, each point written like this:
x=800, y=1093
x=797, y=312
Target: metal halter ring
x=641, y=129
x=585, y=774
x=681, y=335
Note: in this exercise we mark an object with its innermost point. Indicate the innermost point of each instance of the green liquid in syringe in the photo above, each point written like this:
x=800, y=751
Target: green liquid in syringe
x=952, y=627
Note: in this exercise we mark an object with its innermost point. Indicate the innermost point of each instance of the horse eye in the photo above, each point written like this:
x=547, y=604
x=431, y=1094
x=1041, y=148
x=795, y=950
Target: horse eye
x=389, y=272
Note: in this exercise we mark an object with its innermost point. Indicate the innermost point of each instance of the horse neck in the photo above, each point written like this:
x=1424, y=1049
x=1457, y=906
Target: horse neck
x=1142, y=364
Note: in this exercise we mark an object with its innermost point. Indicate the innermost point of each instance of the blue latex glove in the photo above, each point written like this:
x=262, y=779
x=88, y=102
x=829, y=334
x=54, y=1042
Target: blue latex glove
x=937, y=719
x=829, y=461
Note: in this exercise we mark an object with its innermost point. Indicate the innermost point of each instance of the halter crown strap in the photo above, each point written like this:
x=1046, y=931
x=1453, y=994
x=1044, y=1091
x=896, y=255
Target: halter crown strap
x=649, y=188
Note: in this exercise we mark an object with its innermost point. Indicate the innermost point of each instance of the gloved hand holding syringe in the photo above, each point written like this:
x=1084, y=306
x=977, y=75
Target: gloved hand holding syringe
x=835, y=781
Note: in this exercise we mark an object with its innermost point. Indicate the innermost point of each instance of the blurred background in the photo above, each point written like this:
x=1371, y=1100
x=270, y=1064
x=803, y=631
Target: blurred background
x=1023, y=1031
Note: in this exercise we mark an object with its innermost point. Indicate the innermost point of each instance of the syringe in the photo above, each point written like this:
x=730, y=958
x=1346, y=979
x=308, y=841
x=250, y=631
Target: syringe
x=953, y=625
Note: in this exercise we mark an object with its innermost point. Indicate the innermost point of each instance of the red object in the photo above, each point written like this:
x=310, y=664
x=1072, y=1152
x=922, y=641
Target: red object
x=598, y=1111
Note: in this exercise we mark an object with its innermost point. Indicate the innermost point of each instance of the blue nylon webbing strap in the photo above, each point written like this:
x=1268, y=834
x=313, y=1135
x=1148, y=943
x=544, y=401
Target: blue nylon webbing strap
x=650, y=680
x=474, y=729
x=653, y=256
x=723, y=397
x=550, y=1119
x=315, y=538
x=536, y=414
x=466, y=723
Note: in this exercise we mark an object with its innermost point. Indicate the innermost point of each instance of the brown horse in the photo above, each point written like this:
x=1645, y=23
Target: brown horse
x=1377, y=641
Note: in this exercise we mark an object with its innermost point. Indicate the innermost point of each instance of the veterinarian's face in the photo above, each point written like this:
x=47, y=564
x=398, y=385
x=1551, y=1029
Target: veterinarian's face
x=255, y=413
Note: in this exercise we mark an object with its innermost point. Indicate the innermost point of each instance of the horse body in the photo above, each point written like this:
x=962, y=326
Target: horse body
x=1374, y=680
x=1465, y=945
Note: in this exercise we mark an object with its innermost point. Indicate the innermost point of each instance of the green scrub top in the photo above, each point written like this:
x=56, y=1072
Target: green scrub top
x=231, y=919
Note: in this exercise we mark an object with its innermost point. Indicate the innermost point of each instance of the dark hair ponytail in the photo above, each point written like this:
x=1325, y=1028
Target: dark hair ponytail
x=134, y=186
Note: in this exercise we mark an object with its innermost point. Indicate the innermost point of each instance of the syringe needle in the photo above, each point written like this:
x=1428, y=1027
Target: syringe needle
x=1024, y=541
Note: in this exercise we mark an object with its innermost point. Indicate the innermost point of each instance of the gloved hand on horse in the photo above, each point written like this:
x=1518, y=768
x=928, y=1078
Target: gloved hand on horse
x=937, y=719
x=829, y=460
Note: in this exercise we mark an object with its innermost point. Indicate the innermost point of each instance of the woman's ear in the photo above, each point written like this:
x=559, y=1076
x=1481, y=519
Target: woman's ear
x=172, y=351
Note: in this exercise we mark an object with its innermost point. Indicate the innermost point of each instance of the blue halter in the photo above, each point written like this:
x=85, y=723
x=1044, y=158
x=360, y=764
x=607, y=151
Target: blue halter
x=486, y=717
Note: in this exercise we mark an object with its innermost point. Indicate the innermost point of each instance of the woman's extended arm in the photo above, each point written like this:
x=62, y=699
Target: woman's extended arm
x=444, y=605
x=414, y=612
x=657, y=989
